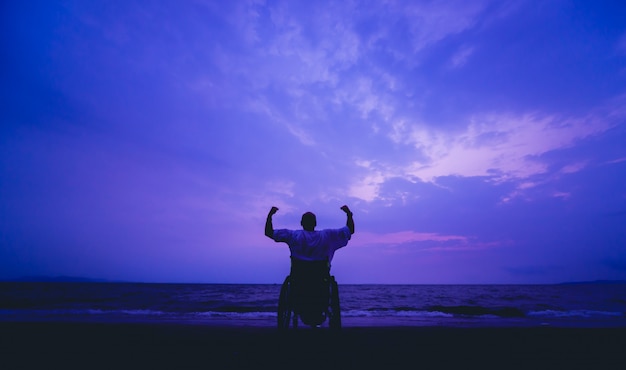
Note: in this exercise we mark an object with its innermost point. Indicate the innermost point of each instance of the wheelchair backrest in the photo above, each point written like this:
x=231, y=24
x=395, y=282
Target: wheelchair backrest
x=309, y=269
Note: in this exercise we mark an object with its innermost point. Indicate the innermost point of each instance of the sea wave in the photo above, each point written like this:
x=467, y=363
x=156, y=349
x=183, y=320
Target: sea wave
x=237, y=315
x=419, y=304
x=574, y=313
x=433, y=312
x=389, y=313
x=123, y=312
x=479, y=311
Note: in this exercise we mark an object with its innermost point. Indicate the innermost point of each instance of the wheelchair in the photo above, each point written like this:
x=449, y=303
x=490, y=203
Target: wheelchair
x=310, y=294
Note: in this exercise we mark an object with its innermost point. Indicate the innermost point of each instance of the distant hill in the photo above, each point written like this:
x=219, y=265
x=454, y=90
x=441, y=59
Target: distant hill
x=60, y=279
x=595, y=282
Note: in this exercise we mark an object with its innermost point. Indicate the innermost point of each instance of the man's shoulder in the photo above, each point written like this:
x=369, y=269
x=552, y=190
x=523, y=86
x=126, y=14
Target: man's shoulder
x=336, y=231
x=283, y=233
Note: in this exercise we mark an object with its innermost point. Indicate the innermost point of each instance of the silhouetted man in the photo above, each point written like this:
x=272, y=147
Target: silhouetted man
x=309, y=244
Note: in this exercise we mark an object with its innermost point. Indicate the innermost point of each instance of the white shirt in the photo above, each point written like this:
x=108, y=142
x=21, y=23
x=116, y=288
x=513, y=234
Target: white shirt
x=313, y=245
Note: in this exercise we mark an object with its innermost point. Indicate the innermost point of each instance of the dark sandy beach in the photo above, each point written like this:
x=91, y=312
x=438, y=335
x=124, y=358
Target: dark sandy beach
x=176, y=346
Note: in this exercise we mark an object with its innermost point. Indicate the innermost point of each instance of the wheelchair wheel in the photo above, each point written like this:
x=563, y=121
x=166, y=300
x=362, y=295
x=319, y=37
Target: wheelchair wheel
x=334, y=311
x=284, y=308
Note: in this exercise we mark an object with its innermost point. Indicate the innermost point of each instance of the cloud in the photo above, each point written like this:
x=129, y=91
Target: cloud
x=498, y=146
x=574, y=167
x=430, y=22
x=368, y=187
x=459, y=59
x=424, y=242
x=404, y=237
x=284, y=188
x=363, y=96
x=310, y=52
x=461, y=247
x=562, y=194
x=618, y=160
x=320, y=42
x=264, y=107
x=245, y=19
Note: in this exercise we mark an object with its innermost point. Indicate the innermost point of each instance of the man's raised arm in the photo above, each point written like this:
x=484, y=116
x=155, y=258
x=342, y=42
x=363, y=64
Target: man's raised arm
x=269, y=228
x=349, y=221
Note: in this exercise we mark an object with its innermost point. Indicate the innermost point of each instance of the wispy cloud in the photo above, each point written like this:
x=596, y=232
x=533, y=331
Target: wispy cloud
x=562, y=194
x=618, y=160
x=470, y=246
x=368, y=187
x=425, y=242
x=404, y=237
x=500, y=147
x=461, y=57
x=431, y=22
x=574, y=167
x=264, y=107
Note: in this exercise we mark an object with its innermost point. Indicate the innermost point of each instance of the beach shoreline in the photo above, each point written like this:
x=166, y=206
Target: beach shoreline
x=30, y=345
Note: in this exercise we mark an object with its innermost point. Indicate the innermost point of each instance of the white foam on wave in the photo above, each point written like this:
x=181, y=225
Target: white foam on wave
x=117, y=312
x=235, y=315
x=573, y=313
x=364, y=313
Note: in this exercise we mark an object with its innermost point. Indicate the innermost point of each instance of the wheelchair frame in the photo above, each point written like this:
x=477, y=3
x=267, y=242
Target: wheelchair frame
x=309, y=294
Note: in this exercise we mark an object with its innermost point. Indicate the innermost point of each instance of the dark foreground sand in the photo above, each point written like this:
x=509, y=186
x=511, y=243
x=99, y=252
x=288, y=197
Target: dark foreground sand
x=169, y=346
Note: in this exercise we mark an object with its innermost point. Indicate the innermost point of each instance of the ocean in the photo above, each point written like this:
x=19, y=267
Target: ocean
x=254, y=305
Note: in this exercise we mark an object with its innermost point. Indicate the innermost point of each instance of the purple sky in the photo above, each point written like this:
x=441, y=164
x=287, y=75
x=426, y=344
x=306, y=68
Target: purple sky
x=475, y=141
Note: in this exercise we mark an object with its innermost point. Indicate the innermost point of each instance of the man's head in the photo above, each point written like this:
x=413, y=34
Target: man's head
x=308, y=221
